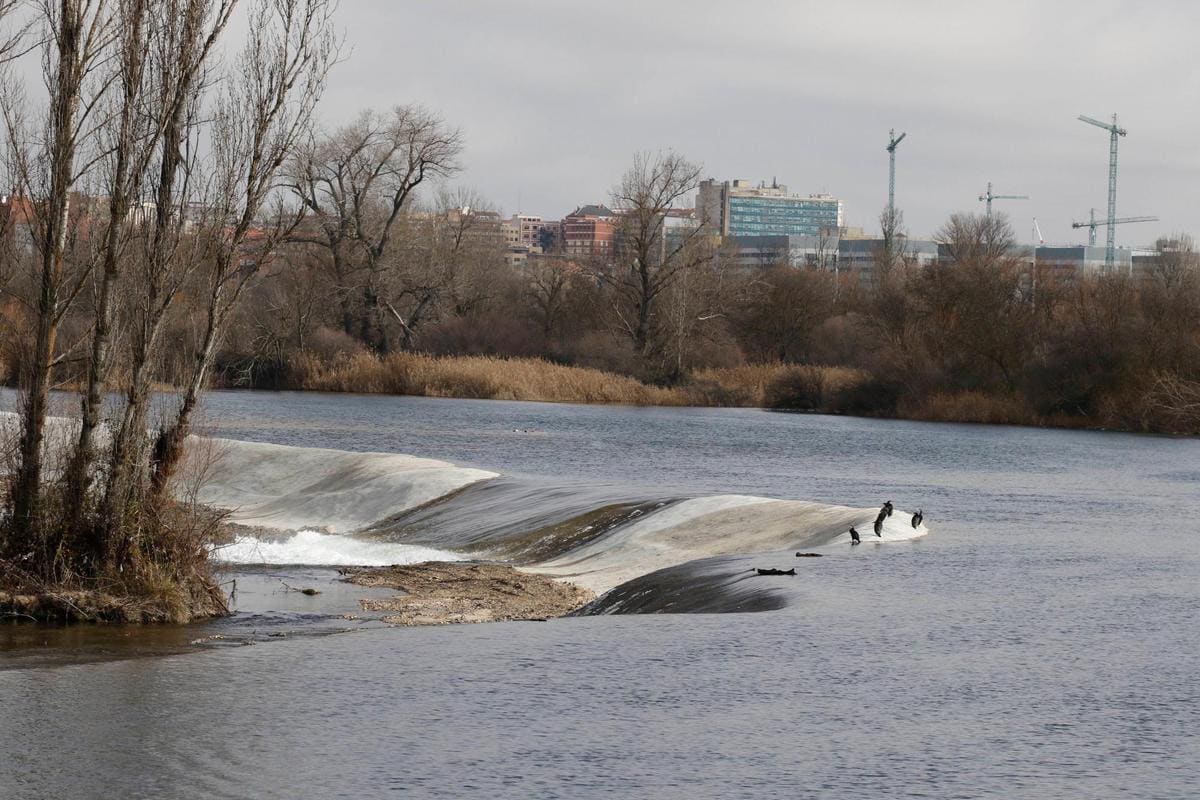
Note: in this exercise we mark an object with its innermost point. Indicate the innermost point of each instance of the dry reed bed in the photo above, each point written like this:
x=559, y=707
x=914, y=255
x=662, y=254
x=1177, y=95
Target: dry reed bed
x=475, y=377
x=484, y=377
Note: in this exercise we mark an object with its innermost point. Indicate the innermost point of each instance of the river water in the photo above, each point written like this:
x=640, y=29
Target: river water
x=1038, y=642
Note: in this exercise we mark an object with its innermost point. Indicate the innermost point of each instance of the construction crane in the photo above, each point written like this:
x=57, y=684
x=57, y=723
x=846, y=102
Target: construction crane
x=1038, y=241
x=989, y=197
x=1094, y=223
x=893, y=140
x=1114, y=131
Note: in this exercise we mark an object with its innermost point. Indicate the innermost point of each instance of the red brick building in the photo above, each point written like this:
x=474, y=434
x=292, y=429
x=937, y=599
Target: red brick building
x=590, y=231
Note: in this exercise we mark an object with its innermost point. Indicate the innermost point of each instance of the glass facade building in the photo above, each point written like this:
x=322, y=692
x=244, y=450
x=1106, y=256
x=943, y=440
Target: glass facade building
x=782, y=216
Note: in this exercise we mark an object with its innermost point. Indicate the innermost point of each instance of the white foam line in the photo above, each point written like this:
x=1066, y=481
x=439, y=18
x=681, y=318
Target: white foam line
x=316, y=548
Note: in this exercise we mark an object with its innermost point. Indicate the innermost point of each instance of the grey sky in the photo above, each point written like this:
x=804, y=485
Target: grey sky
x=555, y=97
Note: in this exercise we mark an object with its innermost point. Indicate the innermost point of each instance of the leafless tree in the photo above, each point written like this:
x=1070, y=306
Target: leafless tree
x=130, y=115
x=548, y=283
x=260, y=121
x=1175, y=262
x=356, y=183
x=47, y=168
x=181, y=63
x=891, y=224
x=128, y=142
x=650, y=256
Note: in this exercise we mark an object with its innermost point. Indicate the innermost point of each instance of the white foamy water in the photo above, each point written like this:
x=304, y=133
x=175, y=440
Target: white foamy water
x=325, y=549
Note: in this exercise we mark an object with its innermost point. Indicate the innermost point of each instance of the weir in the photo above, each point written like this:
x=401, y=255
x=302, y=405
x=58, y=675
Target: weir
x=650, y=552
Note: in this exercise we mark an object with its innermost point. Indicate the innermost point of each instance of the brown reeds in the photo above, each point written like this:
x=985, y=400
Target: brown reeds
x=492, y=378
x=480, y=377
x=970, y=407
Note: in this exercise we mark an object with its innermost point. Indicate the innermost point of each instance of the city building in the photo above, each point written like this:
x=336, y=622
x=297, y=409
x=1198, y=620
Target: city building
x=525, y=230
x=589, y=231
x=858, y=256
x=832, y=251
x=819, y=251
x=550, y=236
x=736, y=208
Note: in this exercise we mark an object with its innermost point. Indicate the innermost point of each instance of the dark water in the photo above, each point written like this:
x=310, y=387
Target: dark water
x=1038, y=643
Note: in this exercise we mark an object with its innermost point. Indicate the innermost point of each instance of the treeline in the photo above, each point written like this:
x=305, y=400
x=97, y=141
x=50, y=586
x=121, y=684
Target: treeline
x=387, y=281
x=981, y=336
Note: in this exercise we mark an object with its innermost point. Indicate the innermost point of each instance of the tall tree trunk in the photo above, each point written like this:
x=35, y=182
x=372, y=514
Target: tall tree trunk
x=127, y=463
x=168, y=446
x=125, y=180
x=66, y=87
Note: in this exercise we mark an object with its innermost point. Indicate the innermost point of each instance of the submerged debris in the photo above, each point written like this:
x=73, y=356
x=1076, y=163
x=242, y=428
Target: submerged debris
x=762, y=571
x=306, y=590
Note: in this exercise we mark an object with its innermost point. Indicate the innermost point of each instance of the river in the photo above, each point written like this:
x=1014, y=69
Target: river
x=1038, y=642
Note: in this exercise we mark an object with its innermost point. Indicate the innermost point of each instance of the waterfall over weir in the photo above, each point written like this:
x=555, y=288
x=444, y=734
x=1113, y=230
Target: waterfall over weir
x=329, y=507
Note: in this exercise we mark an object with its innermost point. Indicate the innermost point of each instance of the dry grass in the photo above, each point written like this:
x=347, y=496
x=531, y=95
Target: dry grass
x=970, y=407
x=475, y=377
x=751, y=386
x=802, y=386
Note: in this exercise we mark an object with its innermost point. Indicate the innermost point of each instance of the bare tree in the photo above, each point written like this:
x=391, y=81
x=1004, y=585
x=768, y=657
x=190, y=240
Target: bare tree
x=76, y=32
x=549, y=281
x=129, y=142
x=978, y=320
x=650, y=255
x=1175, y=261
x=891, y=224
x=262, y=117
x=355, y=184
x=130, y=115
x=180, y=57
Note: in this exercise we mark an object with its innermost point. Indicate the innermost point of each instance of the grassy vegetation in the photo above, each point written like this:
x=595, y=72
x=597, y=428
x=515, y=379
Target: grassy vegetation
x=167, y=577
x=481, y=377
x=783, y=386
x=789, y=387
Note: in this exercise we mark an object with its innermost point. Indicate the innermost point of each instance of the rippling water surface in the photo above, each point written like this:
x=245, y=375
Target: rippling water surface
x=1040, y=642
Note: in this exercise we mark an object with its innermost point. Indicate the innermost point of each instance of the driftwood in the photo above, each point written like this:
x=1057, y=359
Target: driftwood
x=307, y=591
x=809, y=555
x=791, y=571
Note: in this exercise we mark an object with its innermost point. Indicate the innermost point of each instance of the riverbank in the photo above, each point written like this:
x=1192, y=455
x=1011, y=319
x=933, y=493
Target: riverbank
x=1162, y=405
x=71, y=604
x=531, y=379
x=443, y=592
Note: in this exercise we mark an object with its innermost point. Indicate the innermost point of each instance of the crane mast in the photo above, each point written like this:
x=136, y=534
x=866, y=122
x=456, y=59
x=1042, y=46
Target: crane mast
x=1114, y=131
x=893, y=141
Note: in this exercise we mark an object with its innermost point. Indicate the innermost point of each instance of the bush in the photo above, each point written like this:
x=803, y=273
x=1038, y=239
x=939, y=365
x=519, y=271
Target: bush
x=806, y=387
x=872, y=396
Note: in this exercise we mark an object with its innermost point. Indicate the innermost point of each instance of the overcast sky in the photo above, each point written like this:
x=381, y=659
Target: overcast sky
x=555, y=97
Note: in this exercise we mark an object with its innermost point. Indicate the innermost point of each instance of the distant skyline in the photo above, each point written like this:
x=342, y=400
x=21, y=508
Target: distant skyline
x=556, y=97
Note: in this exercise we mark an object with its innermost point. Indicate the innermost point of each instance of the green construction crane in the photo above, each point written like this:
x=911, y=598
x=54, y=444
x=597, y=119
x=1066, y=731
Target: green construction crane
x=1114, y=131
x=989, y=197
x=893, y=140
x=1094, y=223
